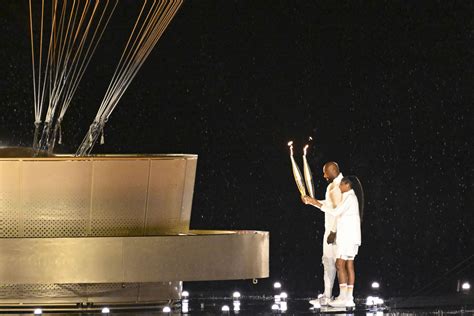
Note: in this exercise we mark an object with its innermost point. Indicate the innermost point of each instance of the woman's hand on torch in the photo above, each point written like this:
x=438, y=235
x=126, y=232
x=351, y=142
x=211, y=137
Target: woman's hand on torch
x=309, y=200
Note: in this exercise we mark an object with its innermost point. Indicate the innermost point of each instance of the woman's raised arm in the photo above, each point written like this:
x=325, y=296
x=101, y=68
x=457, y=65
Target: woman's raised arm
x=343, y=206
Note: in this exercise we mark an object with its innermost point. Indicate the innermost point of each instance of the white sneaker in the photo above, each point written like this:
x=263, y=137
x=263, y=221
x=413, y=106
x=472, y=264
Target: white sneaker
x=350, y=303
x=338, y=302
x=324, y=301
x=315, y=303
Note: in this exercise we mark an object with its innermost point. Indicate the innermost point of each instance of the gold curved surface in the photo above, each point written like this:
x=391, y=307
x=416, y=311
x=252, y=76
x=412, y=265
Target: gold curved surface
x=96, y=196
x=197, y=257
x=126, y=269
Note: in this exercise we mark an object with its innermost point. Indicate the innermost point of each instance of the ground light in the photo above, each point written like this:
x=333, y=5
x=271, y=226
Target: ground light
x=225, y=308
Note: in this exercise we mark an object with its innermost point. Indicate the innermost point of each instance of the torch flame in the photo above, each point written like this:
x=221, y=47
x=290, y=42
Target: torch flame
x=310, y=138
x=290, y=144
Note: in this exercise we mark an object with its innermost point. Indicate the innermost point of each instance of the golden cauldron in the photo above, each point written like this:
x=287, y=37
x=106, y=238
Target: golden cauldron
x=110, y=229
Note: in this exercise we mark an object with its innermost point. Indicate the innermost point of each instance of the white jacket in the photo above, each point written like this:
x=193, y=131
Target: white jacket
x=348, y=219
x=332, y=199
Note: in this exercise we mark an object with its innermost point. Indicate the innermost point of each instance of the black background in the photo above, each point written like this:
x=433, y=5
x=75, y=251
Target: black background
x=384, y=88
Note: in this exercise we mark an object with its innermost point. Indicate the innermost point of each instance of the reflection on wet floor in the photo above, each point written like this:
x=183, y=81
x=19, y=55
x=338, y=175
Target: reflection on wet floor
x=237, y=304
x=279, y=302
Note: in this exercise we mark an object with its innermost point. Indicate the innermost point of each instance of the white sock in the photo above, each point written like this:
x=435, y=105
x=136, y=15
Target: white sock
x=342, y=291
x=349, y=291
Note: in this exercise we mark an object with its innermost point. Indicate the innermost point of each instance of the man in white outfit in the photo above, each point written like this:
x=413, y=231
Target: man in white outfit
x=348, y=215
x=333, y=197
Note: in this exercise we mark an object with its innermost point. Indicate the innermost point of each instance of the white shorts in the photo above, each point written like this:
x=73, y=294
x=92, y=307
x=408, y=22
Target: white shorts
x=346, y=252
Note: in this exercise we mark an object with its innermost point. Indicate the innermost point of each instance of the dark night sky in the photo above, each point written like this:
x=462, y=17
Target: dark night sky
x=384, y=87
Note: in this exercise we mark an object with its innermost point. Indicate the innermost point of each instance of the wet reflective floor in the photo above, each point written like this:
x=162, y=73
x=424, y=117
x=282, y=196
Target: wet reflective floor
x=268, y=305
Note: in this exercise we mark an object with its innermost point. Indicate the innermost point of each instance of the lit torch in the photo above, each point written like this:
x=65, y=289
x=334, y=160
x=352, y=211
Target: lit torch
x=296, y=172
x=308, y=177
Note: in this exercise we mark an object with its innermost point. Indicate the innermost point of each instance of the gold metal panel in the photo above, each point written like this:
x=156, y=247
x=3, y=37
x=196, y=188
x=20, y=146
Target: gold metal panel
x=96, y=196
x=55, y=198
x=165, y=197
x=197, y=258
x=61, y=260
x=188, y=192
x=119, y=194
x=213, y=256
x=9, y=198
x=160, y=291
x=104, y=293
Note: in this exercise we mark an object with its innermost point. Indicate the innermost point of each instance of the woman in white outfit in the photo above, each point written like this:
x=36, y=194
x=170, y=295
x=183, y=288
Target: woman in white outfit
x=348, y=215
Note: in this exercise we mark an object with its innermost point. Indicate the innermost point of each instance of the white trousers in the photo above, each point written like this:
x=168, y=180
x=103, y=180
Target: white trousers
x=329, y=263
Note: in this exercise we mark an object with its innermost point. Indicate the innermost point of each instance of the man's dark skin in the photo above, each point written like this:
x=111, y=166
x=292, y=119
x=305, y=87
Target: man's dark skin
x=330, y=172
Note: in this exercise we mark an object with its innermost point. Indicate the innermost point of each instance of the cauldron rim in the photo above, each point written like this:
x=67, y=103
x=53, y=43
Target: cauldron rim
x=97, y=156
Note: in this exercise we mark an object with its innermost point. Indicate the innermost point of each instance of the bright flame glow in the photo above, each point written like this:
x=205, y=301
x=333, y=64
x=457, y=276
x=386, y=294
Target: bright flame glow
x=105, y=310
x=166, y=309
x=290, y=144
x=283, y=306
x=305, y=149
x=38, y=311
x=310, y=138
x=236, y=295
x=275, y=307
x=277, y=285
x=466, y=286
x=283, y=295
x=375, y=285
x=185, y=294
